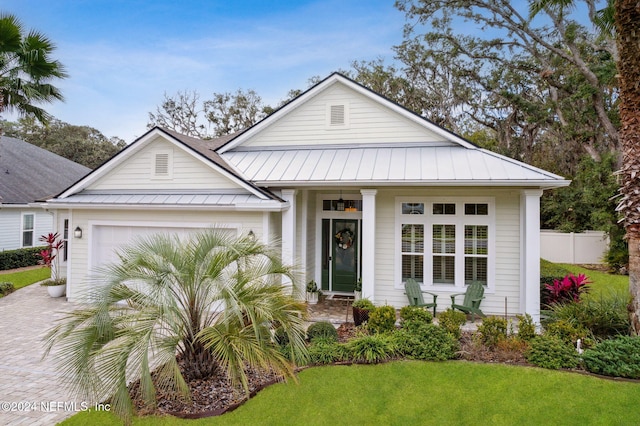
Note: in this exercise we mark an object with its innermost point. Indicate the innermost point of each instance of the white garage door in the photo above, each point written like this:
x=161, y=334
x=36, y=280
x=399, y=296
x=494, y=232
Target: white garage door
x=107, y=239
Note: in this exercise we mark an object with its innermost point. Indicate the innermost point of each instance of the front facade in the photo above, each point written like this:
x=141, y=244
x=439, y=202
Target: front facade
x=350, y=185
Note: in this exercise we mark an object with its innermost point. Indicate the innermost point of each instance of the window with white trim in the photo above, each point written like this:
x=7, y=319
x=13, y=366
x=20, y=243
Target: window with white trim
x=28, y=223
x=446, y=243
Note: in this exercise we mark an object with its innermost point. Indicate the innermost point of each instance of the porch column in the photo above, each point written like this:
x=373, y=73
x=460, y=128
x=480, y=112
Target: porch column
x=530, y=252
x=289, y=232
x=368, y=242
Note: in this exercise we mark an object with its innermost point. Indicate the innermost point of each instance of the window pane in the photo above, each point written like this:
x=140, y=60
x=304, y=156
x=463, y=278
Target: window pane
x=476, y=239
x=444, y=208
x=443, y=269
x=27, y=222
x=476, y=209
x=412, y=267
x=27, y=239
x=475, y=269
x=444, y=238
x=412, y=238
x=412, y=208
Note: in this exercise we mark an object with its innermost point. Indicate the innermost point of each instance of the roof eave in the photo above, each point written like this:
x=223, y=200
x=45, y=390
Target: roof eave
x=271, y=207
x=542, y=184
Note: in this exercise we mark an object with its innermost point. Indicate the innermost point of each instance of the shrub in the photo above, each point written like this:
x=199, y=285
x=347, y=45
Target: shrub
x=371, y=349
x=426, y=342
x=6, y=288
x=552, y=352
x=20, y=258
x=566, y=330
x=526, y=327
x=326, y=351
x=619, y=357
x=492, y=330
x=415, y=313
x=604, y=317
x=363, y=303
x=452, y=321
x=382, y=319
x=322, y=329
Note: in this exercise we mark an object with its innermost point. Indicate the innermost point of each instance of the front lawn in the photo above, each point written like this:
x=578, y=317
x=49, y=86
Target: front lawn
x=603, y=283
x=414, y=392
x=25, y=278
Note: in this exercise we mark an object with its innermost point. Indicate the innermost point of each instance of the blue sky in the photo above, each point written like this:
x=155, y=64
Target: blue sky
x=122, y=56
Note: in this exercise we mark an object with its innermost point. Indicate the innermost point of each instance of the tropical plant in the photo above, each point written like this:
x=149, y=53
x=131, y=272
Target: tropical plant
x=49, y=257
x=569, y=289
x=371, y=349
x=26, y=69
x=193, y=308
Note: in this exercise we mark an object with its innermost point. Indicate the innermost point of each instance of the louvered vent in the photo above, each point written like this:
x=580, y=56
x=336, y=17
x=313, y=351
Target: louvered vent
x=162, y=164
x=337, y=115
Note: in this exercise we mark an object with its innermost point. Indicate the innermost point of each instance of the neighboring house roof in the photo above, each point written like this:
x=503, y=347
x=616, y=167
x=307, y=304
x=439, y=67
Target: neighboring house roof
x=29, y=173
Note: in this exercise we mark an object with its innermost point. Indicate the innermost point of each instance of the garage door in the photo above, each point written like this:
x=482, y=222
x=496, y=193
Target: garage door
x=107, y=239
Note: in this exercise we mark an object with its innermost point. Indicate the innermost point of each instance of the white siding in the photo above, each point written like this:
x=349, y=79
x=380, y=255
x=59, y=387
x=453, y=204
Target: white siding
x=11, y=226
x=368, y=122
x=80, y=249
x=188, y=172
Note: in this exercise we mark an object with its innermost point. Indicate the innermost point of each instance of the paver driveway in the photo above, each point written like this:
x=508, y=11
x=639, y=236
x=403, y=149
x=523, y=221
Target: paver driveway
x=31, y=393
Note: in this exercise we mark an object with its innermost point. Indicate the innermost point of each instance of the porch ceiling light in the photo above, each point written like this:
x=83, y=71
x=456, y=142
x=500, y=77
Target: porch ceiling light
x=77, y=233
x=340, y=204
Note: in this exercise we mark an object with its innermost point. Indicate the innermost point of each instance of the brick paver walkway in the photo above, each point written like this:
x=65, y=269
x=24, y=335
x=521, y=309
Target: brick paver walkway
x=30, y=391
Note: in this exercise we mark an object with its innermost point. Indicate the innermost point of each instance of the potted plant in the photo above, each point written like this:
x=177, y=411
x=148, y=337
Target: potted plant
x=56, y=285
x=361, y=309
x=312, y=292
x=358, y=290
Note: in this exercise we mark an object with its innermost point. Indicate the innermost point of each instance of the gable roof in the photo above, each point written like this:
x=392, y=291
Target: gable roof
x=29, y=173
x=200, y=149
x=334, y=79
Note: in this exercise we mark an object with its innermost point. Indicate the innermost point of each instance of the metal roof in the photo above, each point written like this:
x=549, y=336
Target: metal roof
x=386, y=165
x=168, y=200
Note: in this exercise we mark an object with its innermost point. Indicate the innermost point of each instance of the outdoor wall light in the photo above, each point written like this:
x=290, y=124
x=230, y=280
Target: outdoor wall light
x=252, y=235
x=77, y=233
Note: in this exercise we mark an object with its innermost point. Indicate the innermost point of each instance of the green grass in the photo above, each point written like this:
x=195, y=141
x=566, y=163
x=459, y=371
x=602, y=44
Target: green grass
x=413, y=392
x=25, y=278
x=603, y=282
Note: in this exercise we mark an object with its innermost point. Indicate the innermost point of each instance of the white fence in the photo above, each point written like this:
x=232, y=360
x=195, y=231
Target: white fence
x=588, y=247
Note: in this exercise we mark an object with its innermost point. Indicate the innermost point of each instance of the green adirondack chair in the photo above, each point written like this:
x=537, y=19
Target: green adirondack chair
x=414, y=293
x=472, y=298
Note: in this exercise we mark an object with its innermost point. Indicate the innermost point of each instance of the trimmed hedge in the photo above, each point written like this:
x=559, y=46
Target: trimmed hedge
x=619, y=357
x=20, y=258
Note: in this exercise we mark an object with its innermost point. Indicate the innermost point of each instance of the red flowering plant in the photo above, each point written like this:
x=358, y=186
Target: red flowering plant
x=49, y=257
x=569, y=289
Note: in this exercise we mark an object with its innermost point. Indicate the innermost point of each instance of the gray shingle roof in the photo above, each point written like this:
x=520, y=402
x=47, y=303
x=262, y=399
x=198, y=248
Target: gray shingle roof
x=29, y=173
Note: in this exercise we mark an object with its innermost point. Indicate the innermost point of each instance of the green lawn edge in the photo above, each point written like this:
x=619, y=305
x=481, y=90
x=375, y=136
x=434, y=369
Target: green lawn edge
x=24, y=278
x=426, y=393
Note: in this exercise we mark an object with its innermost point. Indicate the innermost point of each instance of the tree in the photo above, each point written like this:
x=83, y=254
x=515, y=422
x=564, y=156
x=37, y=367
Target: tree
x=213, y=300
x=225, y=113
x=537, y=84
x=26, y=70
x=82, y=144
x=627, y=27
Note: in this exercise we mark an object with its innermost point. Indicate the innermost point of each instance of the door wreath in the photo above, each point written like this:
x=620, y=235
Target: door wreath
x=344, y=238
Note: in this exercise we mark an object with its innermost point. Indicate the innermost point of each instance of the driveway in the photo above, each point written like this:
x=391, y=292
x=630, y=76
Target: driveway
x=31, y=393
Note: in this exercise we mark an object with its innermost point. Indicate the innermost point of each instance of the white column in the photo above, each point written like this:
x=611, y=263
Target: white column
x=289, y=230
x=368, y=247
x=530, y=252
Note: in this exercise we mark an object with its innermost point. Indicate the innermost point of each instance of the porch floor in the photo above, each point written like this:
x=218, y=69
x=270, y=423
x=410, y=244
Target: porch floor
x=337, y=310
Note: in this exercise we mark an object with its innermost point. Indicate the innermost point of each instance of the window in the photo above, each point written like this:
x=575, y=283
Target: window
x=27, y=229
x=413, y=252
x=445, y=243
x=65, y=240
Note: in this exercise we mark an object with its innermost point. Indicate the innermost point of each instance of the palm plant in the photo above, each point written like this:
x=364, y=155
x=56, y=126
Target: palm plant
x=190, y=308
x=26, y=69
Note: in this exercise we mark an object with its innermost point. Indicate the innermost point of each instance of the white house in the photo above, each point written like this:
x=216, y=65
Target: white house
x=352, y=185
x=29, y=174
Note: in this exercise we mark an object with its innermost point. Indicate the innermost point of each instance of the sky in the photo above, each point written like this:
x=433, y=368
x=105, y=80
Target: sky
x=122, y=56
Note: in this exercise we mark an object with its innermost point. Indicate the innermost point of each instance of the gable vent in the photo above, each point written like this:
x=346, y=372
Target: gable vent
x=337, y=115
x=162, y=164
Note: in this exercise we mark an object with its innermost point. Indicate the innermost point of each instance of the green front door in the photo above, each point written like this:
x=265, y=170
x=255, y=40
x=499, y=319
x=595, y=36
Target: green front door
x=344, y=254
